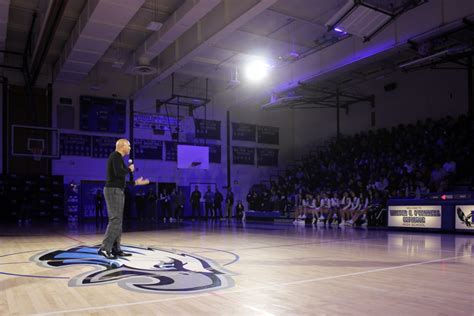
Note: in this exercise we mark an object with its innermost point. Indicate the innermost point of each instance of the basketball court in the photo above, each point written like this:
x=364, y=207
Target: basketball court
x=260, y=269
x=252, y=157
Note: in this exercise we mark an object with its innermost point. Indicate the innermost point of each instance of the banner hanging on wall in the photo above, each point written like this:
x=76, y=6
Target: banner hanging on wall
x=171, y=151
x=207, y=129
x=103, y=146
x=268, y=135
x=102, y=114
x=145, y=120
x=267, y=157
x=148, y=149
x=75, y=145
x=244, y=131
x=416, y=216
x=214, y=153
x=243, y=155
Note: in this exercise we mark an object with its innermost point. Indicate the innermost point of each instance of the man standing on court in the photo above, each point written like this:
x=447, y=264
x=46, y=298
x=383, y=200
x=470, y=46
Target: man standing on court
x=196, y=203
x=229, y=202
x=115, y=199
x=209, y=202
x=218, y=198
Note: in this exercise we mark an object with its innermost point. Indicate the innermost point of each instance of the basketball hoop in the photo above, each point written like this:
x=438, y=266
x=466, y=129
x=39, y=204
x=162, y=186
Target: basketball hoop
x=37, y=153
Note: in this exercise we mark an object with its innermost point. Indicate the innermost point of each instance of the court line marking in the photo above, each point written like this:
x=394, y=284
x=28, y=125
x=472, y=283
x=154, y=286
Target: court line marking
x=19, y=253
x=295, y=237
x=18, y=262
x=329, y=241
x=72, y=238
x=27, y=251
x=32, y=276
x=237, y=257
x=274, y=286
x=356, y=241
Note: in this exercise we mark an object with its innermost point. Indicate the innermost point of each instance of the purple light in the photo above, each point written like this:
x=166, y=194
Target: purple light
x=294, y=54
x=339, y=30
x=368, y=51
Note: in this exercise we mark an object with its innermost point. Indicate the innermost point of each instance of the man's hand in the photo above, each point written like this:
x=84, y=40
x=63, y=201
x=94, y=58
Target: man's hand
x=131, y=167
x=141, y=181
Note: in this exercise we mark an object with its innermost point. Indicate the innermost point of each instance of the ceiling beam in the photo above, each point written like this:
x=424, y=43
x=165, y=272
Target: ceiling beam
x=218, y=24
x=313, y=22
x=48, y=30
x=186, y=16
x=99, y=24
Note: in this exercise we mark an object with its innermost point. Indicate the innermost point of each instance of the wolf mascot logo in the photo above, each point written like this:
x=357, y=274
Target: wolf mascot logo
x=147, y=270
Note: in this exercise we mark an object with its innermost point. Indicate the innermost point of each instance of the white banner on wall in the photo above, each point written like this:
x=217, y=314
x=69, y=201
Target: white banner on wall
x=418, y=216
x=464, y=216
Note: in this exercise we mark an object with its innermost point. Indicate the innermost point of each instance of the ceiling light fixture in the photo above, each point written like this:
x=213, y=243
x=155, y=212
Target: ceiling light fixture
x=257, y=70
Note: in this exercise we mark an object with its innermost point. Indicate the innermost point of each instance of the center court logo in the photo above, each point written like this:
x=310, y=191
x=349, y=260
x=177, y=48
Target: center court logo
x=151, y=270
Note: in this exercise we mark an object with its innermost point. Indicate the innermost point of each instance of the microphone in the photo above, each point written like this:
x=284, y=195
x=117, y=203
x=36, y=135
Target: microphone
x=130, y=161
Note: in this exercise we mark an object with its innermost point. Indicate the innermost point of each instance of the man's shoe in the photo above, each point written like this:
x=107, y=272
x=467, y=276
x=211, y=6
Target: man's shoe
x=122, y=254
x=106, y=254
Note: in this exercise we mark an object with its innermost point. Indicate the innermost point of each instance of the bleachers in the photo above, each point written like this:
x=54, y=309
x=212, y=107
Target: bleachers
x=405, y=161
x=27, y=197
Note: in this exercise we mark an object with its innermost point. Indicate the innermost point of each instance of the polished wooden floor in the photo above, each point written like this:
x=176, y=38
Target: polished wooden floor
x=277, y=270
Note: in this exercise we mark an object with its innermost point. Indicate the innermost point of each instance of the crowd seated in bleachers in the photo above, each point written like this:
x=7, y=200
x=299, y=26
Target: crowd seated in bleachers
x=406, y=161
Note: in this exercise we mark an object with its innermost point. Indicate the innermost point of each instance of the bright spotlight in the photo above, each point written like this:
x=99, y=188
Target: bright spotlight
x=257, y=70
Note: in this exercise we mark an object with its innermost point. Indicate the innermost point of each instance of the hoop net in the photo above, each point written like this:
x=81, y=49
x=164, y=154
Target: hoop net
x=37, y=153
